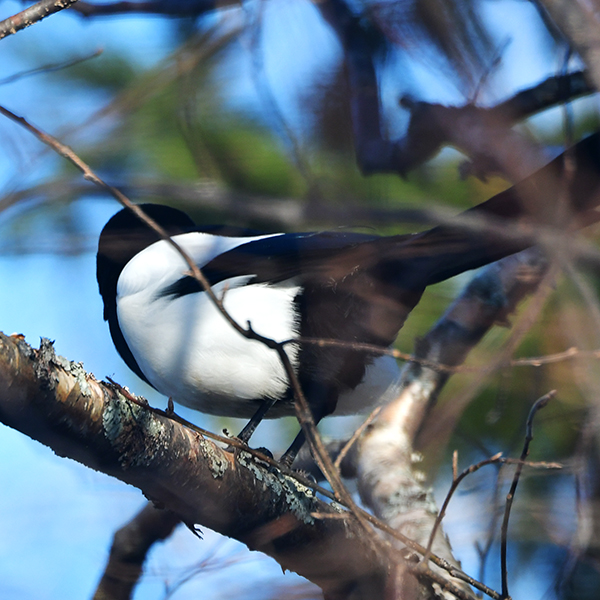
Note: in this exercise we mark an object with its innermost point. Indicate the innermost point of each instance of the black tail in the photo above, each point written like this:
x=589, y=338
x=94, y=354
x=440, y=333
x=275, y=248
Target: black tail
x=510, y=221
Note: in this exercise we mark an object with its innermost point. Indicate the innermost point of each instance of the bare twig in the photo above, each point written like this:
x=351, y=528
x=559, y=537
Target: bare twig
x=572, y=353
x=31, y=15
x=348, y=445
x=50, y=67
x=483, y=551
x=539, y=404
x=175, y=8
x=455, y=483
x=457, y=479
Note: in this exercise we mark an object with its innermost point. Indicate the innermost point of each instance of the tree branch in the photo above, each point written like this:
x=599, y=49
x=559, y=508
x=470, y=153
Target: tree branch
x=58, y=404
x=172, y=8
x=33, y=14
x=130, y=546
x=484, y=134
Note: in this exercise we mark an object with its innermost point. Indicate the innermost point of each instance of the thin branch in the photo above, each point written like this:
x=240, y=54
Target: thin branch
x=307, y=422
x=539, y=404
x=50, y=68
x=572, y=353
x=32, y=14
x=457, y=479
x=484, y=551
x=173, y=8
x=348, y=445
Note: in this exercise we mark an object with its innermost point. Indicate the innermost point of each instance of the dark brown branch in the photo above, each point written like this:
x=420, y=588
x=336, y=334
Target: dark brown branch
x=33, y=14
x=130, y=547
x=484, y=134
x=547, y=94
x=172, y=8
x=539, y=404
x=54, y=402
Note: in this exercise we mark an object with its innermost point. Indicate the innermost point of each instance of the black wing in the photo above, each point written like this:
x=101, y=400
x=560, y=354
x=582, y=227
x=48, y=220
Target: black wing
x=299, y=256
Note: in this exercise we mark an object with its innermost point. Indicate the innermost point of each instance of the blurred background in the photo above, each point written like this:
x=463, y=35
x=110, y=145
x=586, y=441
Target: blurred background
x=243, y=115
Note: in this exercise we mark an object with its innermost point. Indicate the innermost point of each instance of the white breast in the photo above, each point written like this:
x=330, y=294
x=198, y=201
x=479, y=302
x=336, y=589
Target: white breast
x=186, y=348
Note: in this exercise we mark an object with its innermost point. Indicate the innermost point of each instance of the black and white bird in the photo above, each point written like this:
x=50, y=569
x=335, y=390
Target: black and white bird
x=350, y=287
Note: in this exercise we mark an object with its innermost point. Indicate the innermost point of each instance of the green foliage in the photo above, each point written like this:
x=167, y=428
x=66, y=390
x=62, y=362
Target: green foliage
x=108, y=72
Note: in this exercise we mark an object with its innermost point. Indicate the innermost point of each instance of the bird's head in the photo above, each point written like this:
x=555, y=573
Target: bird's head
x=124, y=236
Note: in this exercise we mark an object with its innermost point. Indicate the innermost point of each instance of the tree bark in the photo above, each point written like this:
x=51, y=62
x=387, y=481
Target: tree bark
x=55, y=402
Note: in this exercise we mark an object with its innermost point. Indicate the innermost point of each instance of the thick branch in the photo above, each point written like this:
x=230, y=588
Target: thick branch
x=130, y=546
x=33, y=14
x=484, y=134
x=389, y=479
x=58, y=404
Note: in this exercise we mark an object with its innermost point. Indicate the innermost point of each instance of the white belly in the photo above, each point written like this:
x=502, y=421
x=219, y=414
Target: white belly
x=184, y=345
x=188, y=351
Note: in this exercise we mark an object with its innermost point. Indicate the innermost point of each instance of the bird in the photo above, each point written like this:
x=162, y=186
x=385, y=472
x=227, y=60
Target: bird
x=334, y=285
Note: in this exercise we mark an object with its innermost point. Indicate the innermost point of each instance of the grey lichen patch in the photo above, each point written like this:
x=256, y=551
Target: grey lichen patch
x=61, y=361
x=79, y=373
x=47, y=359
x=216, y=462
x=299, y=499
x=46, y=350
x=416, y=457
x=136, y=434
